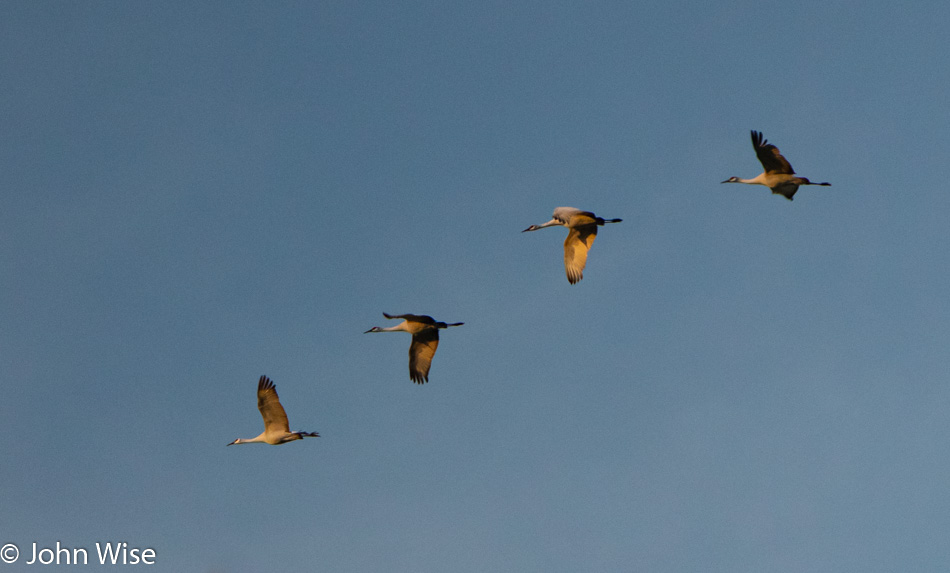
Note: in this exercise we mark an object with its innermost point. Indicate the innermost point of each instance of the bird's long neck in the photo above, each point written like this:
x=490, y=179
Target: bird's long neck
x=551, y=223
x=757, y=180
x=257, y=440
x=401, y=327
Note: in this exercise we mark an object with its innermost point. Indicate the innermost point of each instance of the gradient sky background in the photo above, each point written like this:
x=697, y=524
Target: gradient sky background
x=195, y=195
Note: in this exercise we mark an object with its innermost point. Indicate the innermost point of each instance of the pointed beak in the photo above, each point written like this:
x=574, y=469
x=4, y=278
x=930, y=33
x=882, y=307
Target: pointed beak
x=368, y=331
x=531, y=228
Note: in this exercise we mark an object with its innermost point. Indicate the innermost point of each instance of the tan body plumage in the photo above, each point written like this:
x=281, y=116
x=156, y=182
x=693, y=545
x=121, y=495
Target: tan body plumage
x=425, y=340
x=778, y=175
x=583, y=230
x=276, y=427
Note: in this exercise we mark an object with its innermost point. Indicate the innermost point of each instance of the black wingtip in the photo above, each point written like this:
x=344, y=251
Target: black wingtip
x=264, y=383
x=418, y=378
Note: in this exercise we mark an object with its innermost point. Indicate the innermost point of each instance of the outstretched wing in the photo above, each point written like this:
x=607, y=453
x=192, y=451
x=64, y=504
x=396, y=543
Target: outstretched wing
x=421, y=351
x=275, y=419
x=565, y=214
x=770, y=158
x=421, y=318
x=578, y=242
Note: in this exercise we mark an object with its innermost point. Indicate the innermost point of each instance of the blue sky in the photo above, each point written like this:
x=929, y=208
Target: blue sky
x=195, y=195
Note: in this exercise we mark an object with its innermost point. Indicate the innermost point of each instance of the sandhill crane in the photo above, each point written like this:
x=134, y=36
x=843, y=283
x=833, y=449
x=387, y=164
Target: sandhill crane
x=779, y=175
x=425, y=339
x=583, y=230
x=276, y=428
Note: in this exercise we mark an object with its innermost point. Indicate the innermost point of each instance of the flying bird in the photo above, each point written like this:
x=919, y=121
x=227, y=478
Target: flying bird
x=425, y=340
x=583, y=230
x=276, y=428
x=779, y=175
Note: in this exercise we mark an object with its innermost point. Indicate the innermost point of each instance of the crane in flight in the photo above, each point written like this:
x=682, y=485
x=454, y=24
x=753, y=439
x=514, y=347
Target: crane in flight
x=583, y=230
x=276, y=428
x=425, y=340
x=778, y=175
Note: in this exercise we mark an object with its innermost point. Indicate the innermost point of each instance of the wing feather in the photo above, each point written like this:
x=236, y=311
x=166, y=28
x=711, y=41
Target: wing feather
x=423, y=347
x=564, y=214
x=275, y=418
x=770, y=158
x=420, y=318
x=576, y=245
